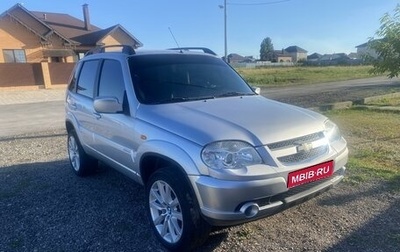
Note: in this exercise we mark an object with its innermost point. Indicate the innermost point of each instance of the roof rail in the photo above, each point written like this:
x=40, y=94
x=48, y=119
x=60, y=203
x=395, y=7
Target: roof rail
x=127, y=49
x=204, y=49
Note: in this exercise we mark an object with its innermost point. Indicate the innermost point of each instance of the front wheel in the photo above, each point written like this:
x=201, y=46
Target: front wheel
x=174, y=213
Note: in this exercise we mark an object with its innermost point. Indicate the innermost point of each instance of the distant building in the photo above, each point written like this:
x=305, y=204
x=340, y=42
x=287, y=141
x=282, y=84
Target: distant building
x=314, y=57
x=297, y=53
x=236, y=58
x=334, y=59
x=36, y=36
x=282, y=56
x=353, y=55
x=365, y=50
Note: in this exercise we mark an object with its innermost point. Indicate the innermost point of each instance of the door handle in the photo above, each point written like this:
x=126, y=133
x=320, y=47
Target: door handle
x=97, y=115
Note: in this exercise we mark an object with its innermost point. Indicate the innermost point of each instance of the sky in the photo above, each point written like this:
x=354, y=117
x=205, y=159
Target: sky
x=322, y=26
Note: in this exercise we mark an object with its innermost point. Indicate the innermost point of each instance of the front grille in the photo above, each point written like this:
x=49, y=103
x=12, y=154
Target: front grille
x=299, y=149
x=303, y=156
x=294, y=141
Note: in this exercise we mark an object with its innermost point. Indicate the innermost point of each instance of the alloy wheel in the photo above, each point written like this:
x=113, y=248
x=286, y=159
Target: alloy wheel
x=166, y=211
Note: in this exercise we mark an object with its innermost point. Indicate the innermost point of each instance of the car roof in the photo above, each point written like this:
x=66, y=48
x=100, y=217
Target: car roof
x=133, y=53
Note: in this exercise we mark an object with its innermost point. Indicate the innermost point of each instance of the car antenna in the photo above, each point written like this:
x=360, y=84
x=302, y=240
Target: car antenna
x=176, y=42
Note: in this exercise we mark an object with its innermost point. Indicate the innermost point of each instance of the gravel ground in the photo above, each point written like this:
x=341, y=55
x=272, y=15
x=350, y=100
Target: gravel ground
x=45, y=207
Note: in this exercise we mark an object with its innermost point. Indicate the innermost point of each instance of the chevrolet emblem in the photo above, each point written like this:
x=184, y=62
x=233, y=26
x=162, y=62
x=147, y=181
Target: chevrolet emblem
x=304, y=147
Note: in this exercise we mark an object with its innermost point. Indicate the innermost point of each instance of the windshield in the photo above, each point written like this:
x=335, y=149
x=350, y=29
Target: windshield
x=184, y=77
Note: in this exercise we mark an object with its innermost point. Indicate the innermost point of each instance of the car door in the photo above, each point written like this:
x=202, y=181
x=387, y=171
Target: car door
x=80, y=101
x=115, y=137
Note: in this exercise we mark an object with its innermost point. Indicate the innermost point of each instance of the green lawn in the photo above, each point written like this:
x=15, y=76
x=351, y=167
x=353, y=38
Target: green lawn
x=373, y=139
x=278, y=76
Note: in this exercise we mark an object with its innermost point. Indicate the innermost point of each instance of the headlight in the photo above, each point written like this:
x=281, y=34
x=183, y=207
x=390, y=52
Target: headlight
x=332, y=131
x=230, y=155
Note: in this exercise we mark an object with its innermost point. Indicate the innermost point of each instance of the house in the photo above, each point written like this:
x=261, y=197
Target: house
x=353, y=55
x=282, y=56
x=236, y=58
x=334, y=59
x=314, y=57
x=36, y=36
x=297, y=53
x=364, y=50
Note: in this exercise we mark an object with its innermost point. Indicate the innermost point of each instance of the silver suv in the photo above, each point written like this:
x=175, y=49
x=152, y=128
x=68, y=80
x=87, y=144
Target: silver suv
x=209, y=150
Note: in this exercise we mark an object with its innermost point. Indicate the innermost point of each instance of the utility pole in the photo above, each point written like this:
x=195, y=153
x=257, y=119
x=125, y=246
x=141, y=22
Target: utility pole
x=225, y=34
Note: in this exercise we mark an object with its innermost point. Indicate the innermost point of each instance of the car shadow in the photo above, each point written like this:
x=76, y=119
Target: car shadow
x=46, y=207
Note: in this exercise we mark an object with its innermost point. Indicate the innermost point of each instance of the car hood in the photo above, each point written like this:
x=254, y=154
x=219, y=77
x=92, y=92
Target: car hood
x=254, y=119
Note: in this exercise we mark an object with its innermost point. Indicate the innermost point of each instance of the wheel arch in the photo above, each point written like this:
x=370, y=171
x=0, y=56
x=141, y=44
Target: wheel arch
x=155, y=155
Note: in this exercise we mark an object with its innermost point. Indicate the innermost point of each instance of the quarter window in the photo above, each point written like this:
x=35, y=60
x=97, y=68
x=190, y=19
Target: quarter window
x=87, y=78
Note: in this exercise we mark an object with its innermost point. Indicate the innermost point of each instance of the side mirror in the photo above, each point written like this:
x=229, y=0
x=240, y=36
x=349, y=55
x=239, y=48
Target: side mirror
x=257, y=90
x=109, y=105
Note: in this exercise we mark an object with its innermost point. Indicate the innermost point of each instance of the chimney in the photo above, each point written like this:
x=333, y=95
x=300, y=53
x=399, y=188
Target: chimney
x=86, y=17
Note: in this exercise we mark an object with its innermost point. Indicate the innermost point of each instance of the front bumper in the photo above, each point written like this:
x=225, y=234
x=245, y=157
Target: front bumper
x=224, y=203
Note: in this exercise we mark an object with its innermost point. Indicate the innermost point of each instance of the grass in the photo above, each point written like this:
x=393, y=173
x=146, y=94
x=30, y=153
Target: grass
x=388, y=101
x=373, y=139
x=279, y=76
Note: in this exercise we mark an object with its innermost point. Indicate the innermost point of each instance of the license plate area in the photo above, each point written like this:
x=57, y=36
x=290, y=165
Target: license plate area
x=310, y=174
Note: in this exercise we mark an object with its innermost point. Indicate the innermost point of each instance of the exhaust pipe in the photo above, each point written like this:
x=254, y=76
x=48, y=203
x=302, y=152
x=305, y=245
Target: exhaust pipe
x=250, y=209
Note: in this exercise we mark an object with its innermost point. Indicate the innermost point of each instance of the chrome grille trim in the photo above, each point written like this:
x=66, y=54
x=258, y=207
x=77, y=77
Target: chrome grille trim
x=292, y=142
x=303, y=156
x=300, y=149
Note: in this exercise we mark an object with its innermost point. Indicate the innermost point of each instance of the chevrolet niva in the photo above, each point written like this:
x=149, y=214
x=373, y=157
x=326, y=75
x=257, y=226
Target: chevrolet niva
x=208, y=149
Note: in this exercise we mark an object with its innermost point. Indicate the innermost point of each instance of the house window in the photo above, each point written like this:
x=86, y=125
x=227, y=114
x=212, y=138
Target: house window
x=14, y=56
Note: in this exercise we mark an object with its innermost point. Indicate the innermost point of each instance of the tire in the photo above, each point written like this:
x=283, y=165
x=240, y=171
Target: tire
x=81, y=163
x=173, y=211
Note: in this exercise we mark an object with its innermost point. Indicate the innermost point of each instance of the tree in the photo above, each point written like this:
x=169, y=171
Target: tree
x=387, y=45
x=267, y=50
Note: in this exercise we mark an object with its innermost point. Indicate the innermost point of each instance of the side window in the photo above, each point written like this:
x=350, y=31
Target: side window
x=74, y=77
x=111, y=80
x=87, y=78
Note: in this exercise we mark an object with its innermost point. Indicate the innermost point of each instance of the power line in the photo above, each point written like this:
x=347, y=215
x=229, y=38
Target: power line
x=263, y=3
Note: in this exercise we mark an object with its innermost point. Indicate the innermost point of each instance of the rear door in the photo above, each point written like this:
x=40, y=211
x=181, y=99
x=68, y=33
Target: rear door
x=80, y=100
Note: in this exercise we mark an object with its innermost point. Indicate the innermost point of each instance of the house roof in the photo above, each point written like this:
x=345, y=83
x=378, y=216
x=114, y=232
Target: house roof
x=353, y=55
x=295, y=49
x=235, y=56
x=314, y=56
x=71, y=29
x=335, y=56
x=65, y=24
x=363, y=45
x=366, y=44
x=282, y=53
x=29, y=21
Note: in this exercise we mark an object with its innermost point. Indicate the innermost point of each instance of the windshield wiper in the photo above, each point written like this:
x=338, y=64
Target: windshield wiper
x=184, y=99
x=229, y=94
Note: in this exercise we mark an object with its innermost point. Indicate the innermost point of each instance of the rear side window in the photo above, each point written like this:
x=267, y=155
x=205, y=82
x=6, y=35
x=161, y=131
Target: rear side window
x=112, y=80
x=87, y=78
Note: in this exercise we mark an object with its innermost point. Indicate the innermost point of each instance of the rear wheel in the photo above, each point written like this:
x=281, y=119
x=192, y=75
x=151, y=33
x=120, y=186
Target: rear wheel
x=81, y=163
x=174, y=212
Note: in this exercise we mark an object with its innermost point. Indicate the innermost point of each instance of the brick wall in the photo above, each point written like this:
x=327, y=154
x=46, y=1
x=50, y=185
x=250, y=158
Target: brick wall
x=34, y=74
x=60, y=72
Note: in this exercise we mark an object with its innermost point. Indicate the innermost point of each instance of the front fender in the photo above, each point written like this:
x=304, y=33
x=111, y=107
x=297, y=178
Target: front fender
x=170, y=151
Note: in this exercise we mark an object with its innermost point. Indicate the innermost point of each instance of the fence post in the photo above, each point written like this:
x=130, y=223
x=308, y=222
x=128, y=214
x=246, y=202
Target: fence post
x=46, y=74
